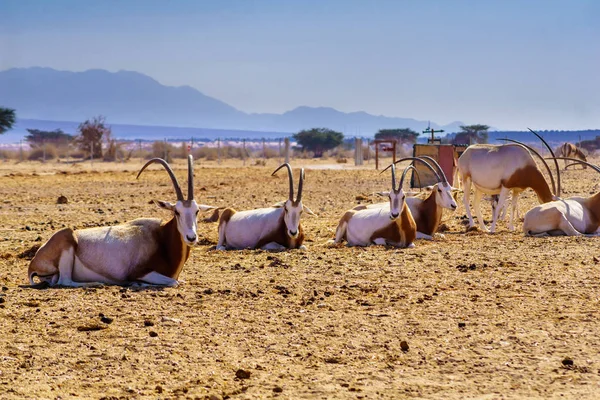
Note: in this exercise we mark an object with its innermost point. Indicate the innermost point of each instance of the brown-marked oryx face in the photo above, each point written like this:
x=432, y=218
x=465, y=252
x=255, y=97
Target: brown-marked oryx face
x=444, y=195
x=291, y=216
x=396, y=203
x=186, y=215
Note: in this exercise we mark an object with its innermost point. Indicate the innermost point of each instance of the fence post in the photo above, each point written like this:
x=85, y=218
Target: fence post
x=219, y=151
x=244, y=152
x=279, y=151
x=287, y=150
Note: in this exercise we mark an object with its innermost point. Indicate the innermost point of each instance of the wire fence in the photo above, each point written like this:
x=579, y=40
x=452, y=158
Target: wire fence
x=357, y=151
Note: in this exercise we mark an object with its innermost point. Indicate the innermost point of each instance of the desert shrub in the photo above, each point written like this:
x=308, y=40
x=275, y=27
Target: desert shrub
x=159, y=147
x=38, y=154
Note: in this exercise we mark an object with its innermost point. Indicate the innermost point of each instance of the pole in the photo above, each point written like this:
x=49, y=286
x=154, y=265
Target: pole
x=279, y=151
x=287, y=150
x=219, y=151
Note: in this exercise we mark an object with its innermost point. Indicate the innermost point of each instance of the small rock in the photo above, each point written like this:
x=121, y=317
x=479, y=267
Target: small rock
x=147, y=322
x=462, y=324
x=2, y=300
x=153, y=334
x=158, y=389
x=596, y=259
x=568, y=362
x=215, y=397
x=27, y=228
x=62, y=200
x=242, y=374
x=106, y=320
x=277, y=389
x=404, y=346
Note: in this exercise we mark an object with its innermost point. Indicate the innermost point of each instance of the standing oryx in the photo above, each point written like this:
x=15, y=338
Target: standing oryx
x=569, y=150
x=574, y=216
x=144, y=250
x=393, y=226
x=273, y=228
x=426, y=211
x=500, y=169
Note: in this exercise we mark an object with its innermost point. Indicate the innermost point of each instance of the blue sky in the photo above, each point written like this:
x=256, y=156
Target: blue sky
x=510, y=64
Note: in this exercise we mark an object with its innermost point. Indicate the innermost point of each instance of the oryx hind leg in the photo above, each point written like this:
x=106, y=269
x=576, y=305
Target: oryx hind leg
x=66, y=264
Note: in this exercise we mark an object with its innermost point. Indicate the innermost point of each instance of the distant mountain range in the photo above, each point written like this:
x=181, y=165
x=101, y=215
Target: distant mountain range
x=132, y=98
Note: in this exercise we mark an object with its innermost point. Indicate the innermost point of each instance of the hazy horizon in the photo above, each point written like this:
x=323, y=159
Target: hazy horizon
x=508, y=64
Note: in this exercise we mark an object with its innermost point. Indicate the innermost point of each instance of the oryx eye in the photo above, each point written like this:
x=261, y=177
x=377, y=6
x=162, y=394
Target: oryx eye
x=197, y=211
x=439, y=190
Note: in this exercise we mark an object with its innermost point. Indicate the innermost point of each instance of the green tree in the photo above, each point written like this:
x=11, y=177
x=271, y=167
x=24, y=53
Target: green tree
x=318, y=140
x=405, y=135
x=91, y=134
x=469, y=134
x=37, y=137
x=7, y=119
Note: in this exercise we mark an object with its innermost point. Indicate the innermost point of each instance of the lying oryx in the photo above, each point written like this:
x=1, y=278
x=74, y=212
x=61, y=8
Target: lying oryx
x=145, y=250
x=574, y=216
x=426, y=211
x=393, y=225
x=273, y=228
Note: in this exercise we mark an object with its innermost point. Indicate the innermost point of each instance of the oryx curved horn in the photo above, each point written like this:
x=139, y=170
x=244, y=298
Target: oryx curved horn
x=190, y=177
x=534, y=151
x=300, y=184
x=553, y=156
x=578, y=161
x=290, y=175
x=393, y=175
x=417, y=173
x=408, y=168
x=169, y=171
x=437, y=176
x=437, y=165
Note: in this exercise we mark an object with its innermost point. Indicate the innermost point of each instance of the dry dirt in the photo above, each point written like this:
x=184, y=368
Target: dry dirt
x=472, y=315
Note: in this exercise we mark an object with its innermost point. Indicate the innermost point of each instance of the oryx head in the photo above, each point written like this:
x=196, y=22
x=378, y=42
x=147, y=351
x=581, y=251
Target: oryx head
x=396, y=195
x=184, y=211
x=292, y=209
x=444, y=192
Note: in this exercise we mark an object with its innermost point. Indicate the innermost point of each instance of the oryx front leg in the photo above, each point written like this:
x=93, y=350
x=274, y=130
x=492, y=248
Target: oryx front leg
x=273, y=246
x=154, y=278
x=466, y=200
x=477, y=206
x=424, y=236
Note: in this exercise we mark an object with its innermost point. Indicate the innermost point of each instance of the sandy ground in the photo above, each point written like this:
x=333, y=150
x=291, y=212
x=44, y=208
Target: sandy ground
x=482, y=316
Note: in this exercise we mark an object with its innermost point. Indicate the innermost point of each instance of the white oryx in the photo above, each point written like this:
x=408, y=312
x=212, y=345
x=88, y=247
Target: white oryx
x=273, y=228
x=500, y=169
x=144, y=251
x=393, y=226
x=574, y=216
x=426, y=211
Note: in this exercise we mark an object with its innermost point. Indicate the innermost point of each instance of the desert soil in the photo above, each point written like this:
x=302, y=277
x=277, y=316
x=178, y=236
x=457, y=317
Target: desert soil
x=470, y=315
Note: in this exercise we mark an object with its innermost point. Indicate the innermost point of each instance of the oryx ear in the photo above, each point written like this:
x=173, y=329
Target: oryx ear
x=308, y=210
x=279, y=204
x=204, y=207
x=164, y=205
x=383, y=194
